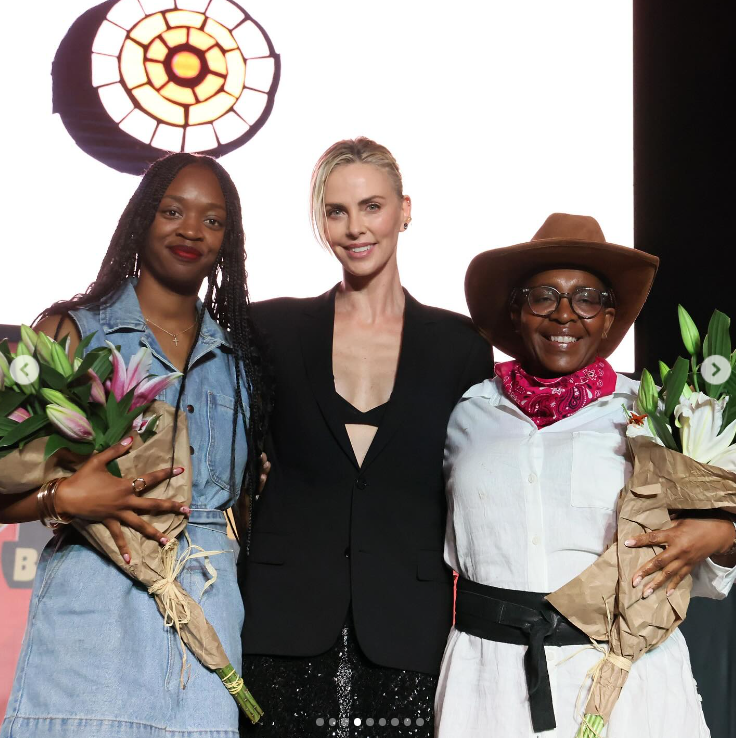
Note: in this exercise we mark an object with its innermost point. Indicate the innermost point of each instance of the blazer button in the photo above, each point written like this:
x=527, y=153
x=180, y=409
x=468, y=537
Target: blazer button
x=361, y=483
x=347, y=552
x=190, y=408
x=191, y=450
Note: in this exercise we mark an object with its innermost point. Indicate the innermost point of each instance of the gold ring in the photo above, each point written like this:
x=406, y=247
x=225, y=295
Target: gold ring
x=139, y=485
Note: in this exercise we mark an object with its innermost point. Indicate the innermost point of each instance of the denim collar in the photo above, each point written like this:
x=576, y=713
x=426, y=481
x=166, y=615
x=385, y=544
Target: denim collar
x=124, y=312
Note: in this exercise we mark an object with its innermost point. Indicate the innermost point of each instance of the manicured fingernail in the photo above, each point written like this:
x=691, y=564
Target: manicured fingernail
x=185, y=510
x=126, y=558
x=163, y=541
x=178, y=470
x=629, y=542
x=126, y=441
x=637, y=581
x=647, y=593
x=670, y=592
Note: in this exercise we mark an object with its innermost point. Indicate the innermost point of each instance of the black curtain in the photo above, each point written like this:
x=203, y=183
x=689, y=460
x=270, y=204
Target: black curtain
x=685, y=203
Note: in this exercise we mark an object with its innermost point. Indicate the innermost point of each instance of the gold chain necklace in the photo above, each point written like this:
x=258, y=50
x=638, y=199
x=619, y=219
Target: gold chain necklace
x=174, y=336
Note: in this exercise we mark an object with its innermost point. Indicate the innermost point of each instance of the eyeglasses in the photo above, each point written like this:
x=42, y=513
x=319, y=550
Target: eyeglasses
x=586, y=302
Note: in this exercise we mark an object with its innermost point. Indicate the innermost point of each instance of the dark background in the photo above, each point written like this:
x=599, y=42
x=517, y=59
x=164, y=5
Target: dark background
x=684, y=212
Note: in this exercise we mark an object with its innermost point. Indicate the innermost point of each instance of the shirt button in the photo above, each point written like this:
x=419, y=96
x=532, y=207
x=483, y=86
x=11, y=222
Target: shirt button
x=532, y=478
x=346, y=552
x=361, y=483
x=190, y=408
x=536, y=540
x=191, y=450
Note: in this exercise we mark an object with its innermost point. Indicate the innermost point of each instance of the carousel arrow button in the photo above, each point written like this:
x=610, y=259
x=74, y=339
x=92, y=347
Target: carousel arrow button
x=24, y=369
x=716, y=369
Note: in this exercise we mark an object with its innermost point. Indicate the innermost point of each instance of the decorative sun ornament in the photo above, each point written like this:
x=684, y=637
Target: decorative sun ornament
x=176, y=75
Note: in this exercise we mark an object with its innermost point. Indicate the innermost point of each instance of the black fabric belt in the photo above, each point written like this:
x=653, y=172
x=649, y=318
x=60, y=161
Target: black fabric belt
x=525, y=619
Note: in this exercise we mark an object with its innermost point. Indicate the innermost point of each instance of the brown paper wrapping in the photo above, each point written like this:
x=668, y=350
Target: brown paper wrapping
x=602, y=601
x=26, y=469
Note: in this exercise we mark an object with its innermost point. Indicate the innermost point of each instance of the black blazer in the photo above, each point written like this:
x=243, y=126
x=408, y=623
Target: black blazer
x=328, y=533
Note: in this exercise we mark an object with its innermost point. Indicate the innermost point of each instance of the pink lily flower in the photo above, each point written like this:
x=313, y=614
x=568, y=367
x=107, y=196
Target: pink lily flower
x=140, y=423
x=150, y=388
x=138, y=369
x=19, y=415
x=98, y=391
x=70, y=423
x=127, y=378
x=119, y=373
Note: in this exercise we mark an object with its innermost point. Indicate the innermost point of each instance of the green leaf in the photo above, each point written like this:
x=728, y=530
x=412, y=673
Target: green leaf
x=9, y=401
x=89, y=361
x=83, y=345
x=24, y=429
x=122, y=424
x=718, y=344
x=6, y=426
x=28, y=439
x=52, y=378
x=663, y=432
x=111, y=409
x=5, y=350
x=57, y=441
x=82, y=394
x=114, y=468
x=663, y=371
x=719, y=340
x=126, y=402
x=673, y=385
x=102, y=366
x=689, y=331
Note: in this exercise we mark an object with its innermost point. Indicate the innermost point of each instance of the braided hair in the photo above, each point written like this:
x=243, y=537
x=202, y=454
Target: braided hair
x=226, y=300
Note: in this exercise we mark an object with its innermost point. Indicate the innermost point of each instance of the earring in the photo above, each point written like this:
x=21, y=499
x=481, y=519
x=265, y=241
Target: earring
x=406, y=225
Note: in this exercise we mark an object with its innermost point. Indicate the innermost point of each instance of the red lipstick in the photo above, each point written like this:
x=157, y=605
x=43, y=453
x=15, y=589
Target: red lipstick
x=187, y=253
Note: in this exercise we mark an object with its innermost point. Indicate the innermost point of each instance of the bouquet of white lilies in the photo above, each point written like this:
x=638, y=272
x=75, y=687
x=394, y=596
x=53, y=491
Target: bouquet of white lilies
x=681, y=439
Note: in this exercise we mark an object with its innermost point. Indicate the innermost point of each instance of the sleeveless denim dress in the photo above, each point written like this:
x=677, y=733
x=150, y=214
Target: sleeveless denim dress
x=96, y=660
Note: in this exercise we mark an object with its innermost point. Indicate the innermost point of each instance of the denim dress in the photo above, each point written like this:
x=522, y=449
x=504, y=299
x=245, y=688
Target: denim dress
x=97, y=660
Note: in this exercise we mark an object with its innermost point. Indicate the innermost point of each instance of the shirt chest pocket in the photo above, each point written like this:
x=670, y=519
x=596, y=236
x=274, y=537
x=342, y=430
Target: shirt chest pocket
x=220, y=410
x=598, y=469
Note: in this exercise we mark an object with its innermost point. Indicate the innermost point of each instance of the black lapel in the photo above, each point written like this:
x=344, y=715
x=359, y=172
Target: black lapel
x=316, y=340
x=405, y=384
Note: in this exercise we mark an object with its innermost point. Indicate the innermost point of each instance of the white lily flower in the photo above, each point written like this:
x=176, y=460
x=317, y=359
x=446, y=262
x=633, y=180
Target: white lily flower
x=699, y=418
x=643, y=428
x=726, y=460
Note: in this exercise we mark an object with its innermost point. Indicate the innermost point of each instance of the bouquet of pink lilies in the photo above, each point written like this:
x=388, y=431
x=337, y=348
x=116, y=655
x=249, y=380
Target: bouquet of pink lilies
x=85, y=404
x=49, y=402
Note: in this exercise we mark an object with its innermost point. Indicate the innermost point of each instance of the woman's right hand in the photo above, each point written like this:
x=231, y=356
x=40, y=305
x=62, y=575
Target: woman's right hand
x=92, y=493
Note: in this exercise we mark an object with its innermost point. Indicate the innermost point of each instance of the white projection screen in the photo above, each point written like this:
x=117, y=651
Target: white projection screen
x=498, y=112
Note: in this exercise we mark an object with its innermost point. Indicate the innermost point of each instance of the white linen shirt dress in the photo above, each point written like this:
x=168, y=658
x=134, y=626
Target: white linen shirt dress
x=530, y=509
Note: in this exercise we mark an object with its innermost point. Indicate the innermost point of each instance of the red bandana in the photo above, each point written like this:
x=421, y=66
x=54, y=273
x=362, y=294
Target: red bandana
x=546, y=401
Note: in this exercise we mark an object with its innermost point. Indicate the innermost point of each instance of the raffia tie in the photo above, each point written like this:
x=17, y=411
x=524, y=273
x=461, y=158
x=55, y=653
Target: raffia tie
x=594, y=673
x=233, y=685
x=174, y=599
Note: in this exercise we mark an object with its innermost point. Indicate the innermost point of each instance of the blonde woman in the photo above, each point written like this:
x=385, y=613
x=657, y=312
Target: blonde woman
x=348, y=599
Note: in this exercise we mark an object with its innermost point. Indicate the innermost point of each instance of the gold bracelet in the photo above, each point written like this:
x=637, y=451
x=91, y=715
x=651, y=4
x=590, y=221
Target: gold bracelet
x=46, y=500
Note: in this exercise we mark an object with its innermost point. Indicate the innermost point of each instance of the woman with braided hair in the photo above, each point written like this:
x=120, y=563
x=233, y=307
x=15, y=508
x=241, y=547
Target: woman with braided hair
x=96, y=660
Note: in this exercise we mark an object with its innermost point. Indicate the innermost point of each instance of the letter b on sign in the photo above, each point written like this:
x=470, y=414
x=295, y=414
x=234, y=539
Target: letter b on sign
x=24, y=568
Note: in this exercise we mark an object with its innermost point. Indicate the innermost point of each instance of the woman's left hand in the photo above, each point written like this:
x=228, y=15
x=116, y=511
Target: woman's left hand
x=688, y=542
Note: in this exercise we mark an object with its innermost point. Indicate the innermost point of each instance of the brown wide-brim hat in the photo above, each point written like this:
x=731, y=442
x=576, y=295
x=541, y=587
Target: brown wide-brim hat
x=563, y=242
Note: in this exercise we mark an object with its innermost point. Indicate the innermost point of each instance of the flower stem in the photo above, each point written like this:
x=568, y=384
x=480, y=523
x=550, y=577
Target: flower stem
x=234, y=684
x=694, y=365
x=591, y=727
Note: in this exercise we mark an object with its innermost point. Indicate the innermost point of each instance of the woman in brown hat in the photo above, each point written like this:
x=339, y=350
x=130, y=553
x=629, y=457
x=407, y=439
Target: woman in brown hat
x=534, y=461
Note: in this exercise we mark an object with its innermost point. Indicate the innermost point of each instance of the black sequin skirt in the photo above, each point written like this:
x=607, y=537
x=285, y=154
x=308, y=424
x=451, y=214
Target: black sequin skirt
x=338, y=694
